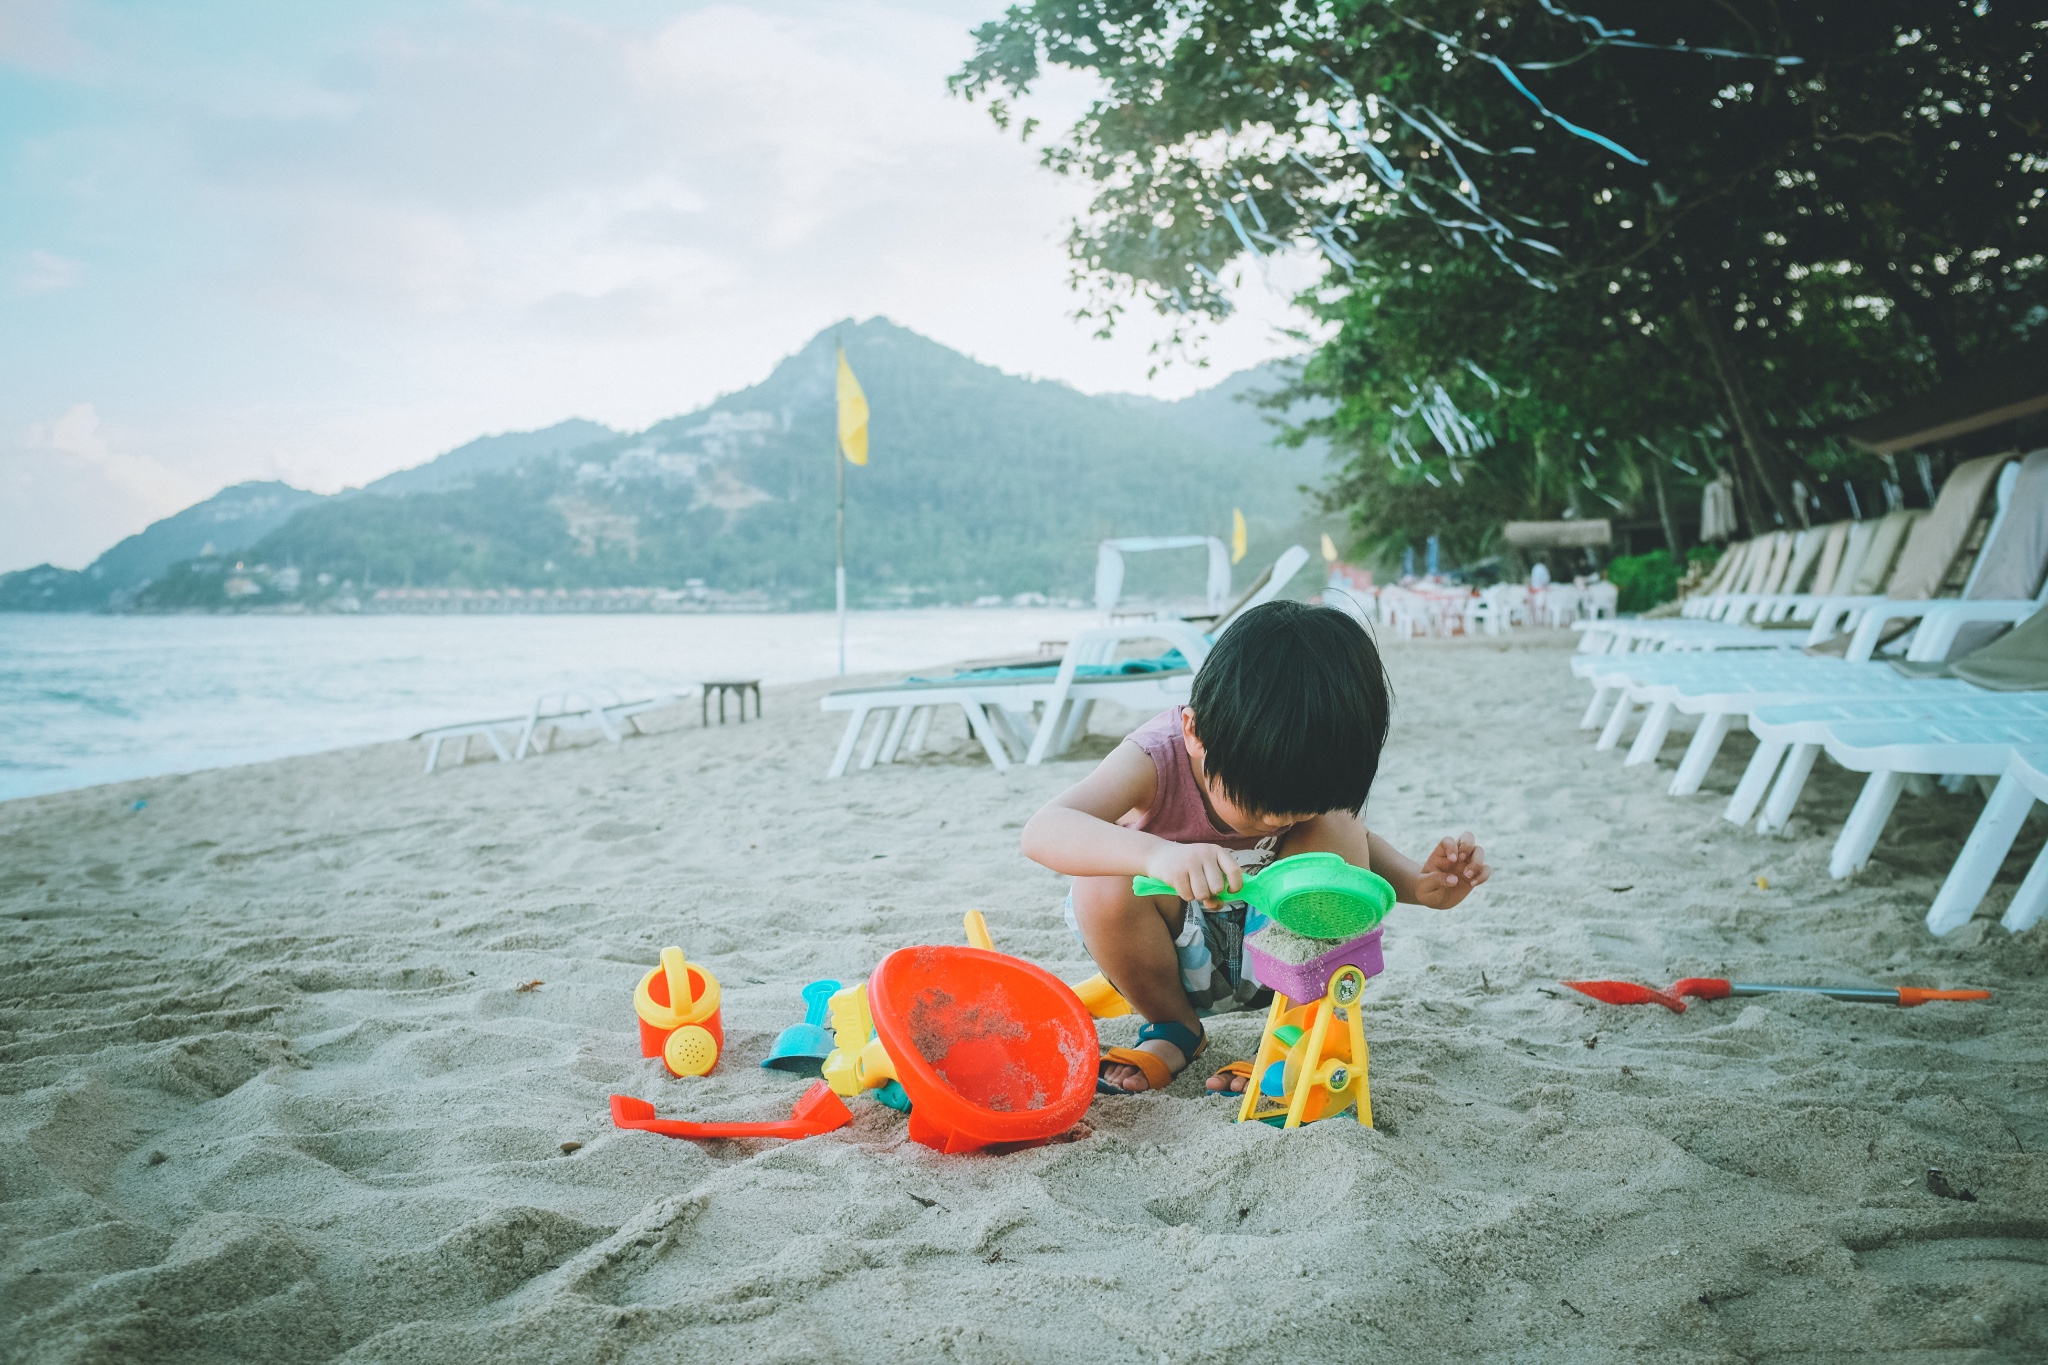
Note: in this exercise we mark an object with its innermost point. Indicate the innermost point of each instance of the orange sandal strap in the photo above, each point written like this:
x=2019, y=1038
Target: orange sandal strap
x=1158, y=1075
x=1243, y=1068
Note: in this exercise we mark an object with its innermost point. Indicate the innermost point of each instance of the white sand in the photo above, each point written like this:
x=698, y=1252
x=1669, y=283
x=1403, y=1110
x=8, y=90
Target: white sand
x=270, y=1094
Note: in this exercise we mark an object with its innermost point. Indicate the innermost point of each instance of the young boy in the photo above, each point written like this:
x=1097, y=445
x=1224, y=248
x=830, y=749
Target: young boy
x=1273, y=756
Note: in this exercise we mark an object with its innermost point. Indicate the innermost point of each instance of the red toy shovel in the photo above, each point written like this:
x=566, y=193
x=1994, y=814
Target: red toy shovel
x=1716, y=988
x=818, y=1111
x=1628, y=993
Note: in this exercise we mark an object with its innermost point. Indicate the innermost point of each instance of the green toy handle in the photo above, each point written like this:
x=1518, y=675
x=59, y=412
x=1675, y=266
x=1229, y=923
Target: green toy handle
x=1152, y=886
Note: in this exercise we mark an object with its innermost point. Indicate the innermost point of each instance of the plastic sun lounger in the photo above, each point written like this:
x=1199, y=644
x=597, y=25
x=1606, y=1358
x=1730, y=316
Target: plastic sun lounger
x=2024, y=782
x=1721, y=690
x=1000, y=711
x=1629, y=678
x=1891, y=750
x=1724, y=600
x=1041, y=715
x=592, y=709
x=1794, y=735
x=1911, y=552
x=1777, y=598
x=550, y=712
x=467, y=731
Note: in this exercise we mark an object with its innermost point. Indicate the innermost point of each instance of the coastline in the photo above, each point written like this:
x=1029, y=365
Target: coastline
x=269, y=1076
x=94, y=699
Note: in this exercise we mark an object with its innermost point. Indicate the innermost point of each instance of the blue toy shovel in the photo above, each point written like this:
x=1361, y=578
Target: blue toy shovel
x=802, y=1048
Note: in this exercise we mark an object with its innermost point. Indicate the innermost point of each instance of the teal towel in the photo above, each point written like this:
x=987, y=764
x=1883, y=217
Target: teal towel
x=1164, y=663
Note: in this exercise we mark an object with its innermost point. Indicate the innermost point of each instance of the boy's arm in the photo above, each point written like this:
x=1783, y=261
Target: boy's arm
x=1076, y=833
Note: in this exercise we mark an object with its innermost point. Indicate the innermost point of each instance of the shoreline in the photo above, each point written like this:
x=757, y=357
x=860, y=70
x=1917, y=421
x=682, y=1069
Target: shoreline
x=95, y=699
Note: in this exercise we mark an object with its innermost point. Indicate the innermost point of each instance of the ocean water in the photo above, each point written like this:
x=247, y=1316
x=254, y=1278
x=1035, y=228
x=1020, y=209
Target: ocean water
x=91, y=699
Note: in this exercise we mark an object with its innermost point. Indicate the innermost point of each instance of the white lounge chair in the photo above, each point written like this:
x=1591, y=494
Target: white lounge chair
x=2024, y=782
x=1797, y=732
x=587, y=708
x=2009, y=563
x=468, y=730
x=584, y=708
x=1038, y=711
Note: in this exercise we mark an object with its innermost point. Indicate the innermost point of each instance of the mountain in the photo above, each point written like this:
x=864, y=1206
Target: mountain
x=229, y=521
x=979, y=483
x=1228, y=412
x=463, y=465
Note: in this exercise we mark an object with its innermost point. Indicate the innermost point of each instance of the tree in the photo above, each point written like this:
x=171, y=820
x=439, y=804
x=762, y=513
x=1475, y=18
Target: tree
x=1568, y=254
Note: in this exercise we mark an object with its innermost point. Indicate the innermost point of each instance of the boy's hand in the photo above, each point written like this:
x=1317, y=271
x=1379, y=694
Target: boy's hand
x=1199, y=872
x=1453, y=868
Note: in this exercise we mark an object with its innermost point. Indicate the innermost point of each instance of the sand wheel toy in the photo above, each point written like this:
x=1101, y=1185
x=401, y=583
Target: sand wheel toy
x=1312, y=1060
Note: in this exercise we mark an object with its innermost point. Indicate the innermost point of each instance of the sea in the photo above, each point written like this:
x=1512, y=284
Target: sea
x=92, y=699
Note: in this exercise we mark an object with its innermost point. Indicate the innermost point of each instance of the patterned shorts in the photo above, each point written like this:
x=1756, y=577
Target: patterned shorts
x=1211, y=952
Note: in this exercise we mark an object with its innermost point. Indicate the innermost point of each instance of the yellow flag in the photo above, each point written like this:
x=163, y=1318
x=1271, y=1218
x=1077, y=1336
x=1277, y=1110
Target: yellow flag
x=853, y=414
x=1329, y=548
x=1236, y=535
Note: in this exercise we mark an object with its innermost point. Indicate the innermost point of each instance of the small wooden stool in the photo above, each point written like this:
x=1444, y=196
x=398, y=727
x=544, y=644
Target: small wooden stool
x=739, y=690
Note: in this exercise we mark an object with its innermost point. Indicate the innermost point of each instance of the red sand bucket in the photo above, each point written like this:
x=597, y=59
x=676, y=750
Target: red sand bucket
x=658, y=1022
x=990, y=1048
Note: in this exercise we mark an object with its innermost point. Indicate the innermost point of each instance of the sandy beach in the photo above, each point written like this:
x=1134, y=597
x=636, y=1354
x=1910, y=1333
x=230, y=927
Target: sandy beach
x=271, y=1092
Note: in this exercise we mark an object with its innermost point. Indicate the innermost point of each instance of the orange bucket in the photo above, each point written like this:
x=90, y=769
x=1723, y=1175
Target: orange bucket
x=990, y=1048
x=703, y=1012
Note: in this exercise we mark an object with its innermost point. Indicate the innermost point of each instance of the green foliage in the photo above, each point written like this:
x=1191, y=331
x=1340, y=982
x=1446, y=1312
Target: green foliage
x=1644, y=265
x=1644, y=580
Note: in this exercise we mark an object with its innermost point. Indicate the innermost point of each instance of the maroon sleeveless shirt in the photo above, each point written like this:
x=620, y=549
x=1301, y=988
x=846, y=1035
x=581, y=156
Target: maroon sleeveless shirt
x=1178, y=813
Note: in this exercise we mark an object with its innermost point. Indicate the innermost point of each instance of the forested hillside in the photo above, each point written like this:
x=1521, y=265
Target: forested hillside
x=979, y=483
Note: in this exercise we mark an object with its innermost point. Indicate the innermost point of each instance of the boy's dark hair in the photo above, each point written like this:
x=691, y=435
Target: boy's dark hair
x=1292, y=708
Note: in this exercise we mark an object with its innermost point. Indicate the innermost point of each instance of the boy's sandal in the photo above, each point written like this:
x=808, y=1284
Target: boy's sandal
x=1158, y=1075
x=1238, y=1068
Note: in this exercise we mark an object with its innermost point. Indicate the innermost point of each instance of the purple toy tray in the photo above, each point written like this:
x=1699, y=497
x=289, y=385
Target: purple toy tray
x=1308, y=980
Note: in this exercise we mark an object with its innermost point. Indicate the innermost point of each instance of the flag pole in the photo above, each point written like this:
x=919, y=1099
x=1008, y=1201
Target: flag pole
x=839, y=462
x=839, y=465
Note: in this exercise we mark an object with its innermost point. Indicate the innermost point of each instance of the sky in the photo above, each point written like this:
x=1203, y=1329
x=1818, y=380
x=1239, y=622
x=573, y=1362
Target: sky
x=321, y=241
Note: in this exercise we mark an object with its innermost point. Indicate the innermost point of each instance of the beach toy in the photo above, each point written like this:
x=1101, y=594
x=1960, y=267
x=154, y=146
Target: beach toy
x=985, y=1048
x=817, y=1111
x=1719, y=988
x=665, y=1011
x=803, y=1048
x=1100, y=998
x=1317, y=895
x=1312, y=1061
x=690, y=1051
x=1096, y=994
x=989, y=1048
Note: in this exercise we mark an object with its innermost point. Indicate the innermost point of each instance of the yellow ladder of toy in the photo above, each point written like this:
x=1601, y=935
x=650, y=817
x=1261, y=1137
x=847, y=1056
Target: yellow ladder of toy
x=1332, y=1061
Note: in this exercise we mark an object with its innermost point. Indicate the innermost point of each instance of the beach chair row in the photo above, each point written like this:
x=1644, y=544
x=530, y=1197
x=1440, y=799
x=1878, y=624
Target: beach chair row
x=1923, y=682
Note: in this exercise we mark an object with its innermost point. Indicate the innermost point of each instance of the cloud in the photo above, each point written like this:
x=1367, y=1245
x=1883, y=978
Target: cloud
x=331, y=241
x=47, y=273
x=77, y=438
